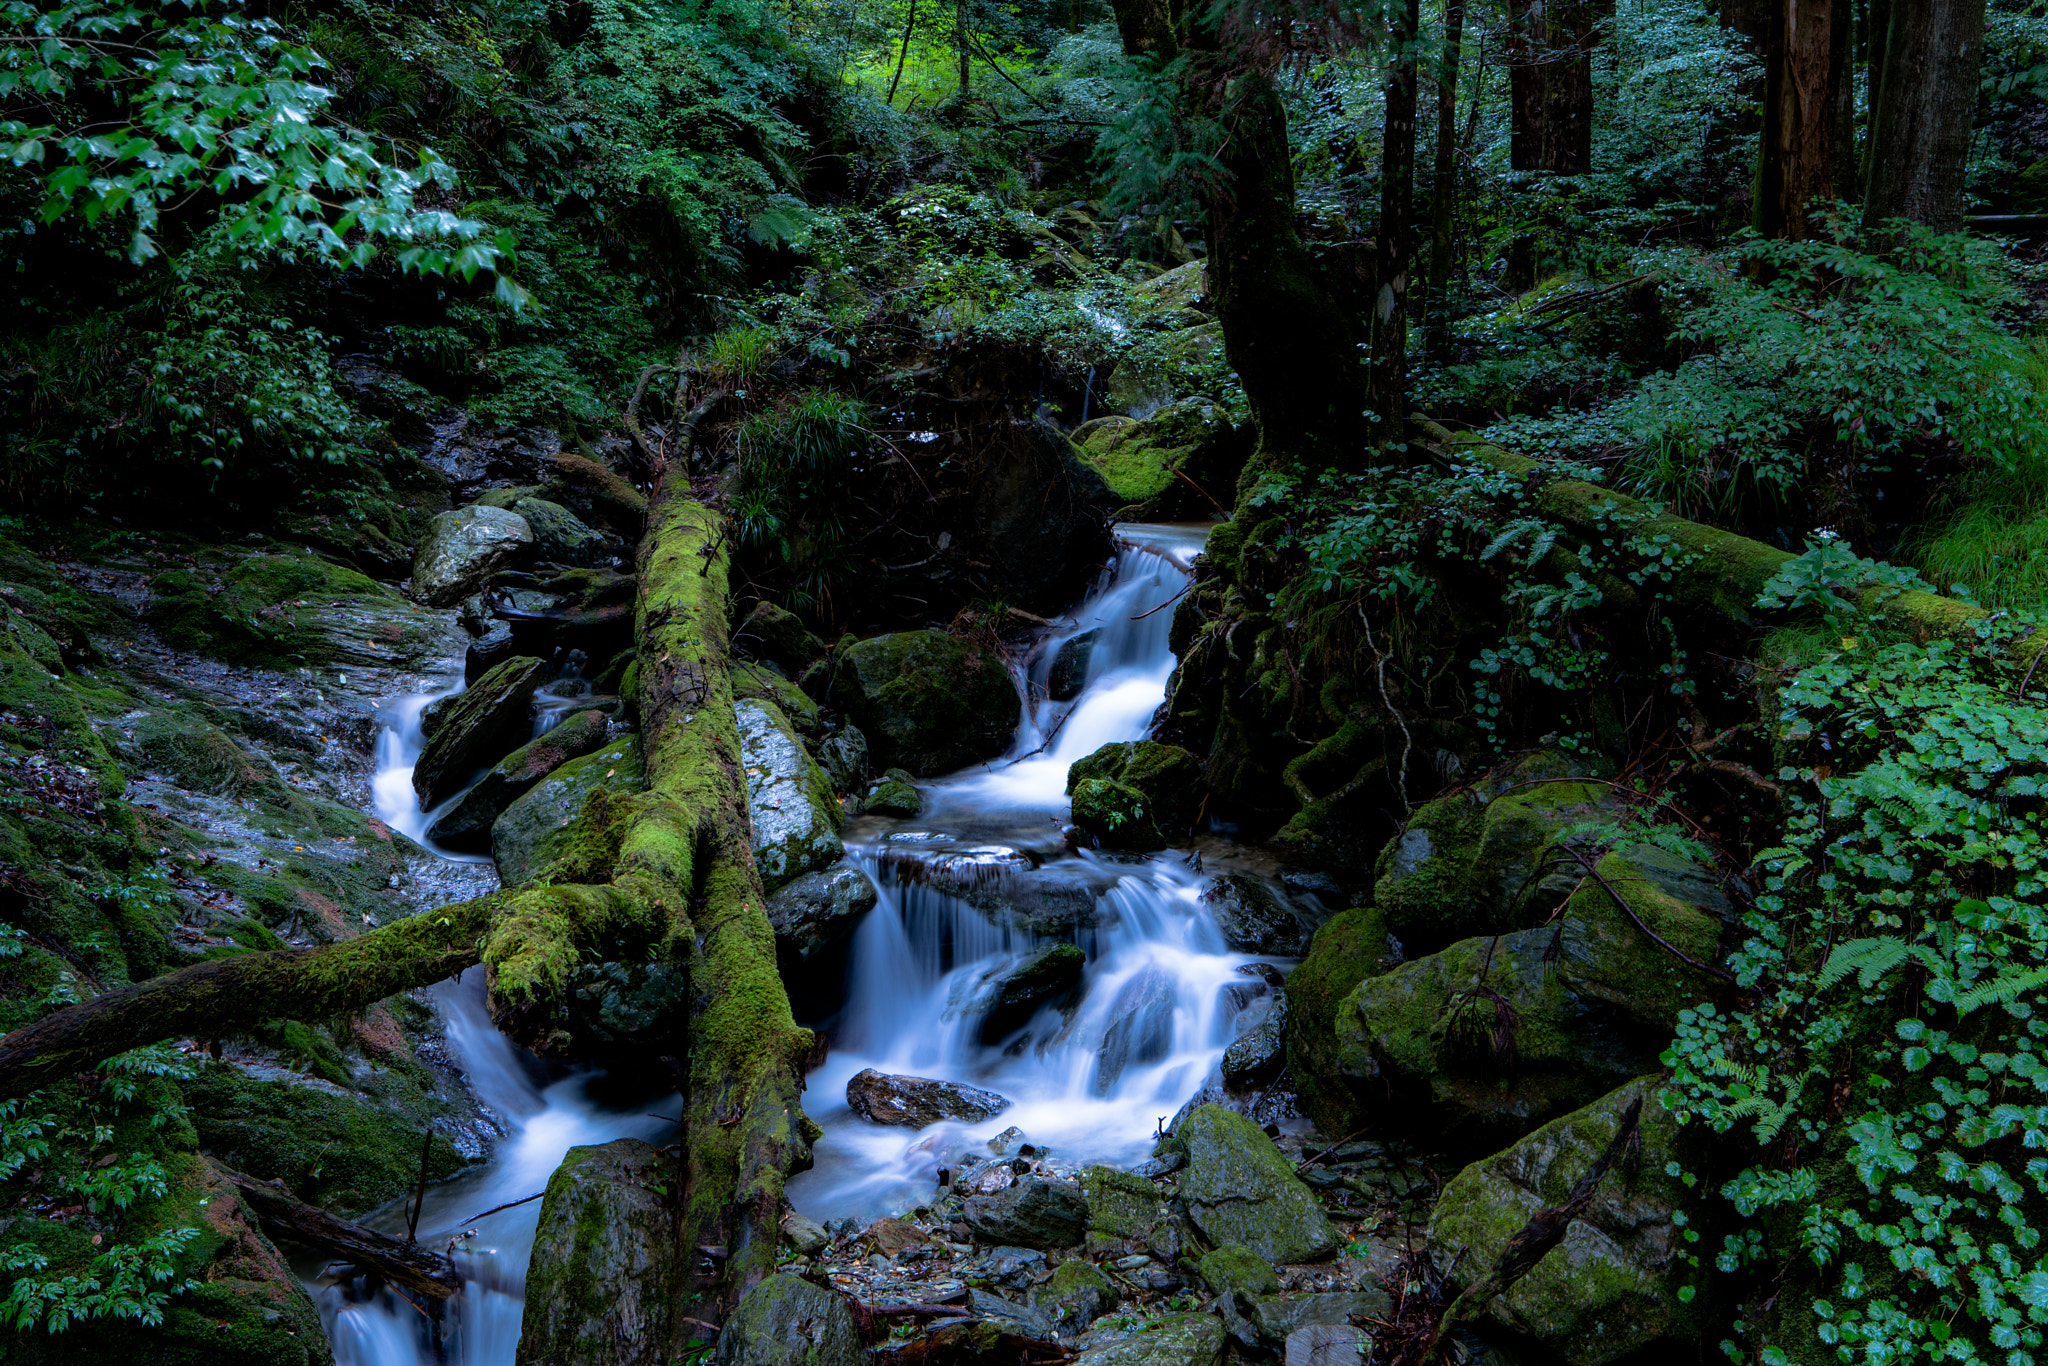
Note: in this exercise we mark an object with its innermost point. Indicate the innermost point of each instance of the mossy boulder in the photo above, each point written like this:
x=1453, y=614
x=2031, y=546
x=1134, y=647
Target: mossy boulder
x=1234, y=1267
x=1612, y=1287
x=1142, y=460
x=893, y=794
x=817, y=912
x=349, y=1148
x=755, y=682
x=465, y=547
x=1006, y=996
x=467, y=824
x=560, y=536
x=1166, y=781
x=794, y=815
x=1239, y=1188
x=1183, y=287
x=1127, y=1214
x=927, y=701
x=603, y=1285
x=294, y=608
x=546, y=825
x=594, y=493
x=1349, y=948
x=1172, y=1340
x=1075, y=1297
x=1466, y=865
x=1257, y=915
x=785, y=1321
x=203, y=758
x=771, y=633
x=476, y=728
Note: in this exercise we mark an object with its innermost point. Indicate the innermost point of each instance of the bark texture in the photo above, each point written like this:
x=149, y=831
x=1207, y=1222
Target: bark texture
x=1922, y=112
x=1806, y=136
x=1443, y=194
x=1396, y=237
x=1550, y=57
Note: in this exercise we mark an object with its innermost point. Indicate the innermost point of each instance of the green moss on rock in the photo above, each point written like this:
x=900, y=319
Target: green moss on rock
x=1349, y=948
x=542, y=827
x=927, y=701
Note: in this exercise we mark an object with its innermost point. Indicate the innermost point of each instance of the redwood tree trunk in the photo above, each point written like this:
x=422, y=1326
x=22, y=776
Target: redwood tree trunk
x=1444, y=189
x=1804, y=136
x=1922, y=112
x=1550, y=55
x=1396, y=237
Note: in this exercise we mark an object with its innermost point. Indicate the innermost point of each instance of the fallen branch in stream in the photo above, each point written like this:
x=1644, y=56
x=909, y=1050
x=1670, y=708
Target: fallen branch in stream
x=284, y=1215
x=498, y=1209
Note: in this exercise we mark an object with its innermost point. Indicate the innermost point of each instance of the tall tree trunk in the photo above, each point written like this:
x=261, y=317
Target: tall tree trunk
x=1396, y=236
x=909, y=27
x=960, y=40
x=1804, y=139
x=1925, y=103
x=1877, y=23
x=1550, y=55
x=1444, y=188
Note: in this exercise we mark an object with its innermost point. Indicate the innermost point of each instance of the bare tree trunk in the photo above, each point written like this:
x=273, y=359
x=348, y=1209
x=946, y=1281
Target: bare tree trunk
x=960, y=40
x=1396, y=237
x=909, y=27
x=1806, y=57
x=1921, y=116
x=1550, y=56
x=1444, y=190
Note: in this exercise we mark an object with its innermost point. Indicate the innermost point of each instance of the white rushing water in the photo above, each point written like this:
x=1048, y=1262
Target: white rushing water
x=1160, y=990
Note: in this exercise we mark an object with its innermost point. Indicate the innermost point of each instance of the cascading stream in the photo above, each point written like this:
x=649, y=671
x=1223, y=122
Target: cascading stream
x=1160, y=989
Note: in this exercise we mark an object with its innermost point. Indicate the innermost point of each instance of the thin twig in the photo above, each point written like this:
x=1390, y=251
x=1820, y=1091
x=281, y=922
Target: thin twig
x=1680, y=954
x=499, y=1209
x=1168, y=603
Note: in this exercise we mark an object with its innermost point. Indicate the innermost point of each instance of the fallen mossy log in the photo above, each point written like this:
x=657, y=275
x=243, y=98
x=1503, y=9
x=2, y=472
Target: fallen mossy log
x=666, y=876
x=283, y=1215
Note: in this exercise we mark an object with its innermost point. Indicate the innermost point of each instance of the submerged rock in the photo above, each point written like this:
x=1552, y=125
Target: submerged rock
x=1008, y=995
x=927, y=701
x=1032, y=1213
x=1136, y=794
x=1069, y=672
x=914, y=1102
x=463, y=548
x=785, y=1321
x=550, y=821
x=1611, y=1288
x=468, y=823
x=819, y=911
x=1257, y=917
x=794, y=817
x=477, y=728
x=1140, y=1029
x=1239, y=1188
x=603, y=1284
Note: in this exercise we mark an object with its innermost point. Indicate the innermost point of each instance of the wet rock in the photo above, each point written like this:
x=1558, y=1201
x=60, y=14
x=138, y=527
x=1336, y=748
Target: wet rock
x=1255, y=916
x=477, y=728
x=804, y=1238
x=789, y=800
x=621, y=1016
x=1168, y=778
x=570, y=814
x=843, y=755
x=1075, y=1297
x=1033, y=1213
x=914, y=1102
x=1014, y=1267
x=1327, y=1345
x=1125, y=1212
x=1008, y=1141
x=1233, y=1267
x=1024, y=1320
x=894, y=795
x=463, y=548
x=1239, y=1188
x=1260, y=1050
x=769, y=632
x=1140, y=1029
x=603, y=1283
x=1611, y=1288
x=1115, y=815
x=1069, y=672
x=892, y=1237
x=927, y=701
x=560, y=536
x=784, y=1321
x=1043, y=514
x=1282, y=1316
x=819, y=911
x=1008, y=995
x=1352, y=946
x=1183, y=287
x=489, y=650
x=467, y=824
x=1176, y=1340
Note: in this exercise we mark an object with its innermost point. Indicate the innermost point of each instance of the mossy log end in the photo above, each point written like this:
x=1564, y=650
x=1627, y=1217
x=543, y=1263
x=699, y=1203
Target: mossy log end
x=1722, y=572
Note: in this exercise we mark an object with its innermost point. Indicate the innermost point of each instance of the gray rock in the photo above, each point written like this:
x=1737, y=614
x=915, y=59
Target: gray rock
x=805, y=1238
x=784, y=1321
x=1328, y=1345
x=1015, y=1267
x=603, y=1283
x=1260, y=1050
x=789, y=800
x=542, y=824
x=1611, y=1288
x=1281, y=1316
x=1177, y=1340
x=488, y=650
x=893, y=797
x=1021, y=1319
x=820, y=911
x=928, y=701
x=914, y=1102
x=1075, y=1297
x=1239, y=1188
x=560, y=536
x=1069, y=672
x=469, y=821
x=1140, y=1030
x=844, y=756
x=1035, y=1212
x=477, y=728
x=1008, y=995
x=1257, y=917
x=463, y=548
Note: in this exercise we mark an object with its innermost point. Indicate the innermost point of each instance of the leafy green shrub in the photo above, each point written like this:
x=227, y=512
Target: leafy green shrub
x=793, y=461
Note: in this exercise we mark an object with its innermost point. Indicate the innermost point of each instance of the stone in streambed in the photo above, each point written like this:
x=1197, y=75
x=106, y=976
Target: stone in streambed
x=927, y=701
x=794, y=816
x=1069, y=672
x=1075, y=1297
x=463, y=548
x=1032, y=1213
x=546, y=824
x=1140, y=1029
x=1166, y=779
x=785, y=1321
x=894, y=794
x=1349, y=948
x=1260, y=1050
x=1115, y=815
x=1175, y=1340
x=1339, y=1344
x=1126, y=1214
x=1239, y=1188
x=843, y=755
x=771, y=633
x=914, y=1102
x=819, y=911
x=1282, y=1316
x=1234, y=1267
x=805, y=1238
x=468, y=823
x=477, y=728
x=1008, y=995
x=603, y=1284
x=1257, y=917
x=560, y=536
